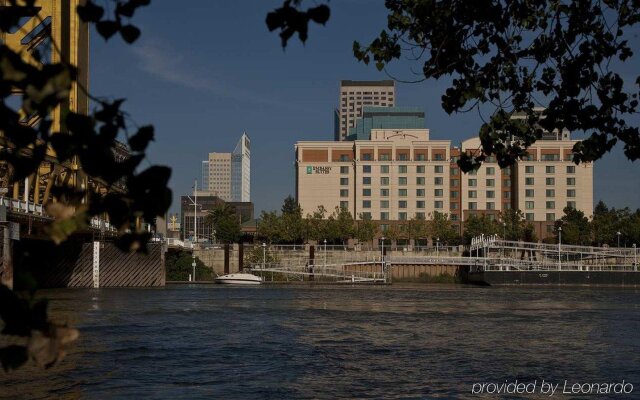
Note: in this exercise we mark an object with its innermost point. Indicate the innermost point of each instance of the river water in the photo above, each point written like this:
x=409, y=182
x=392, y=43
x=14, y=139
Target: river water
x=291, y=342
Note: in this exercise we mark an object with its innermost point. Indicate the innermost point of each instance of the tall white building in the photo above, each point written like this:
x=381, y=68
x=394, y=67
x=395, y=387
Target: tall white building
x=228, y=175
x=354, y=95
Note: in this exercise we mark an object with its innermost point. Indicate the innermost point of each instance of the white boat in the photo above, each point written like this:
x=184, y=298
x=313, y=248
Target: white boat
x=239, y=279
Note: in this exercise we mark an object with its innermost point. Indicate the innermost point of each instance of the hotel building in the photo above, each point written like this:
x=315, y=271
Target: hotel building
x=395, y=174
x=354, y=96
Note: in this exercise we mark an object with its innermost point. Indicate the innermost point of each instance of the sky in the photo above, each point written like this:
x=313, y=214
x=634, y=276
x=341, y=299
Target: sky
x=207, y=71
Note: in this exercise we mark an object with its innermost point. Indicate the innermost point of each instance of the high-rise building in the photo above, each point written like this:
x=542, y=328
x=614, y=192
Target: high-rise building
x=354, y=96
x=228, y=175
x=241, y=170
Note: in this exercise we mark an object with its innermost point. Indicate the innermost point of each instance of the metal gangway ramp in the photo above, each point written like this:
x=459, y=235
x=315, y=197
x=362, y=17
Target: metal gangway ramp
x=346, y=272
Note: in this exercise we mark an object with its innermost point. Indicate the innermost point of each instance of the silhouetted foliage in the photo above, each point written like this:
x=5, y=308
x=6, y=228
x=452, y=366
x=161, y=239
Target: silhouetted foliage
x=517, y=56
x=289, y=19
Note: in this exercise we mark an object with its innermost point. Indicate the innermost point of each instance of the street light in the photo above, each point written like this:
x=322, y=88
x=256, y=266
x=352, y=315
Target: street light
x=635, y=258
x=504, y=235
x=618, y=233
x=325, y=252
x=264, y=254
x=382, y=255
x=437, y=242
x=559, y=248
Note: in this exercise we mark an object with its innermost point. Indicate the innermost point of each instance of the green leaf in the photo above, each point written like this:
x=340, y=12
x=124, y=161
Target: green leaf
x=89, y=12
x=141, y=139
x=129, y=33
x=107, y=28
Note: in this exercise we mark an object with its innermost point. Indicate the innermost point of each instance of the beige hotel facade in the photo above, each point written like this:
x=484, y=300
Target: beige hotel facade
x=399, y=174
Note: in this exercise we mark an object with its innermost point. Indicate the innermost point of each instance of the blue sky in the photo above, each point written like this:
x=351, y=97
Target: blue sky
x=206, y=71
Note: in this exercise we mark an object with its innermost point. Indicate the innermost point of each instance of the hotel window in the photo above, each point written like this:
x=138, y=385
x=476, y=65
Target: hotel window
x=344, y=157
x=402, y=204
x=455, y=171
x=366, y=169
x=529, y=193
x=383, y=157
x=384, y=203
x=551, y=181
x=551, y=205
x=491, y=159
x=529, y=216
x=365, y=216
x=438, y=169
x=550, y=169
x=384, y=169
x=438, y=192
x=491, y=171
x=571, y=181
x=420, y=157
x=344, y=181
x=344, y=193
x=454, y=206
x=473, y=182
x=438, y=157
x=384, y=216
x=571, y=193
x=384, y=181
x=550, y=228
x=528, y=181
x=420, y=192
x=491, y=206
x=402, y=192
x=453, y=217
x=402, y=216
x=529, y=169
x=529, y=205
x=403, y=157
x=491, y=182
x=455, y=159
x=506, y=183
x=420, y=169
x=344, y=170
x=551, y=217
x=402, y=180
x=366, y=203
x=419, y=215
x=550, y=157
x=344, y=205
x=402, y=169
x=384, y=227
x=571, y=169
x=506, y=171
x=366, y=192
x=571, y=204
x=420, y=180
x=506, y=206
x=473, y=172
x=506, y=195
x=438, y=204
x=366, y=180
x=455, y=182
x=437, y=180
x=473, y=194
x=551, y=193
x=491, y=194
x=473, y=205
x=420, y=204
x=384, y=192
x=454, y=194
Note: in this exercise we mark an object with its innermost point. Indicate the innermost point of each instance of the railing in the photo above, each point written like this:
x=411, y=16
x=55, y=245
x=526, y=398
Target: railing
x=21, y=206
x=344, y=272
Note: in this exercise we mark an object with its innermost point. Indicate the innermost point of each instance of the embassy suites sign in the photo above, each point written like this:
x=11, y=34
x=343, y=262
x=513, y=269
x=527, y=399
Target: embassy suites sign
x=318, y=170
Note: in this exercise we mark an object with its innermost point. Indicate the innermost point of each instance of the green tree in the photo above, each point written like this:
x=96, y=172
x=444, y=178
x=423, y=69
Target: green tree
x=316, y=225
x=291, y=222
x=225, y=222
x=178, y=267
x=575, y=227
x=516, y=56
x=365, y=229
x=476, y=225
x=440, y=227
x=341, y=226
x=514, y=226
x=417, y=228
x=269, y=226
x=290, y=206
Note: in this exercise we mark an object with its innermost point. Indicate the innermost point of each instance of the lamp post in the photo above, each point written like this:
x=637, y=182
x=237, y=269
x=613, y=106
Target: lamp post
x=325, y=253
x=618, y=233
x=559, y=248
x=504, y=234
x=382, y=255
x=635, y=257
x=437, y=243
x=195, y=218
x=264, y=254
